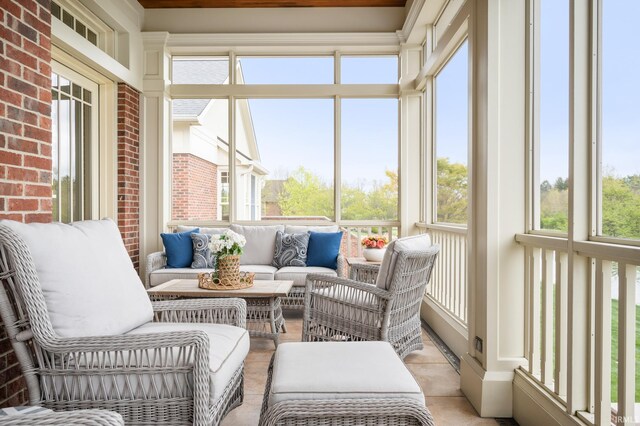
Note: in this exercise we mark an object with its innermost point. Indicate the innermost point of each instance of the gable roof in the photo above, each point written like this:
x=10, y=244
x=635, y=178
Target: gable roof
x=197, y=71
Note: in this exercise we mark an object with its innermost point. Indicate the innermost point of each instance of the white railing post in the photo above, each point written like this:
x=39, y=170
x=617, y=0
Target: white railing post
x=603, y=343
x=534, y=310
x=626, y=342
x=560, y=373
x=546, y=337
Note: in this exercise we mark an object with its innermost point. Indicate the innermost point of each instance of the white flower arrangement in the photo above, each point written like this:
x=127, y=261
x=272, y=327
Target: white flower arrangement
x=227, y=244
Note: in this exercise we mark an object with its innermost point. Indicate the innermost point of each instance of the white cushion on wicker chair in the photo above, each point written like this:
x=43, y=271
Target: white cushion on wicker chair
x=263, y=272
x=298, y=274
x=86, y=276
x=340, y=370
x=416, y=242
x=261, y=243
x=228, y=347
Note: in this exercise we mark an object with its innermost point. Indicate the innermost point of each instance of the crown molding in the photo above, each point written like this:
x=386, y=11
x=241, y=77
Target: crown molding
x=411, y=19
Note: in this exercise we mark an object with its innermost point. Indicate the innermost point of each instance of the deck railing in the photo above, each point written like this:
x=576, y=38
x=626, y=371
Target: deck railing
x=448, y=285
x=548, y=338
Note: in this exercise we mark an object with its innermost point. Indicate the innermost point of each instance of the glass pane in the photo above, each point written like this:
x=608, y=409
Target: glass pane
x=554, y=114
x=55, y=193
x=64, y=156
x=200, y=70
x=200, y=156
x=284, y=156
x=369, y=70
x=292, y=70
x=451, y=138
x=77, y=160
x=620, y=120
x=369, y=159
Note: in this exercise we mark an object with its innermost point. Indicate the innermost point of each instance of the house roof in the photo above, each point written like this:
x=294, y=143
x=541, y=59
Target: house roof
x=197, y=71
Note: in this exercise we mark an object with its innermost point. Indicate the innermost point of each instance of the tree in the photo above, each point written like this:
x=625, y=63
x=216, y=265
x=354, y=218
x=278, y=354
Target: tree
x=621, y=207
x=305, y=194
x=452, y=181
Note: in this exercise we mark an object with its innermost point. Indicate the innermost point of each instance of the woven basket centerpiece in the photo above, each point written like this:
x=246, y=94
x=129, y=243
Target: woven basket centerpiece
x=227, y=277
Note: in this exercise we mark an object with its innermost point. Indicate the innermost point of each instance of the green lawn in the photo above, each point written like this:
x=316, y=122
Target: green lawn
x=614, y=351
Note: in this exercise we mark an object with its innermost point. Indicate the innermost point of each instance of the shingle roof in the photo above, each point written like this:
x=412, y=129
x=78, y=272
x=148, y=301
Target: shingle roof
x=197, y=71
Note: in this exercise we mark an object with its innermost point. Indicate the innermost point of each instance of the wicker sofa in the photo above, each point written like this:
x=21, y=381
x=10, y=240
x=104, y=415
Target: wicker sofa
x=257, y=257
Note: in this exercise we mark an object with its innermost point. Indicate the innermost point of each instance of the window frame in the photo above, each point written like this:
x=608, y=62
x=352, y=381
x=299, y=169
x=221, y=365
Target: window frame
x=235, y=91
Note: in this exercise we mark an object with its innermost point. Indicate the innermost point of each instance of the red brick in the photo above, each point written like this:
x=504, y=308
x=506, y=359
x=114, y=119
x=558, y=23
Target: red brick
x=36, y=133
x=11, y=7
x=7, y=157
x=18, y=144
x=38, y=217
x=21, y=86
x=37, y=191
x=22, y=175
x=37, y=162
x=14, y=189
x=10, y=127
x=21, y=115
x=10, y=97
x=22, y=57
x=23, y=204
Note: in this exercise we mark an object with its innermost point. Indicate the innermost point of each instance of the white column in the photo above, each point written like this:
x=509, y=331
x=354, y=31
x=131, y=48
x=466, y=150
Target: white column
x=497, y=30
x=410, y=128
x=155, y=155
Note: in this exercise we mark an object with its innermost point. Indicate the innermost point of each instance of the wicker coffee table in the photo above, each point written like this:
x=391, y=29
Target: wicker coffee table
x=264, y=313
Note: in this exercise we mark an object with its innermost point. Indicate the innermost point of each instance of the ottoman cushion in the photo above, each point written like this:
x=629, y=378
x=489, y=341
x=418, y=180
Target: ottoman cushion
x=340, y=370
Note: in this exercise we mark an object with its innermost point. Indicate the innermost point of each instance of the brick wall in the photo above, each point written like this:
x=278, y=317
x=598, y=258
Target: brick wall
x=25, y=139
x=195, y=188
x=129, y=170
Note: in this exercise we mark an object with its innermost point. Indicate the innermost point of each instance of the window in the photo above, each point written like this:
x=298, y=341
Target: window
x=285, y=146
x=551, y=114
x=73, y=140
x=200, y=70
x=285, y=70
x=200, y=159
x=369, y=173
x=224, y=196
x=369, y=70
x=451, y=136
x=619, y=180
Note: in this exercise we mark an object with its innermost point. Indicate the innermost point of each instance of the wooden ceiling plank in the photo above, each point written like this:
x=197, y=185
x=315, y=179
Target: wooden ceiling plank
x=163, y=4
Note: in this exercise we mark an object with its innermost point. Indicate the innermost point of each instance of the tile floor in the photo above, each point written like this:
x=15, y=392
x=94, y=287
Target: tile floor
x=439, y=381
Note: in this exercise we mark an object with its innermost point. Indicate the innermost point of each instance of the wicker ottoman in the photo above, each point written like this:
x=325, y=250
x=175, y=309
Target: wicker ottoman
x=341, y=383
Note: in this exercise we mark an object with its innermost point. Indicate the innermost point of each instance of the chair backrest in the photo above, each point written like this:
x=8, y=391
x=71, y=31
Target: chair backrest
x=76, y=280
x=411, y=274
x=390, y=259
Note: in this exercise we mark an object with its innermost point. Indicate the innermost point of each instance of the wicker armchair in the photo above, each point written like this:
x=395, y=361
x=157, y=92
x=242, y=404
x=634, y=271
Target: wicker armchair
x=338, y=309
x=160, y=372
x=65, y=418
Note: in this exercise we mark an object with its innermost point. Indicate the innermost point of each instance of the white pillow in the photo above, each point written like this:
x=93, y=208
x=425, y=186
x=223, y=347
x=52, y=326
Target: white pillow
x=87, y=278
x=261, y=243
x=388, y=266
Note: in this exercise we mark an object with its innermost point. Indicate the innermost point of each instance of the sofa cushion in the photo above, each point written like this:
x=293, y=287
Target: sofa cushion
x=161, y=276
x=263, y=272
x=298, y=274
x=297, y=229
x=416, y=242
x=208, y=231
x=324, y=248
x=261, y=243
x=87, y=278
x=291, y=250
x=228, y=347
x=179, y=248
x=202, y=256
x=340, y=370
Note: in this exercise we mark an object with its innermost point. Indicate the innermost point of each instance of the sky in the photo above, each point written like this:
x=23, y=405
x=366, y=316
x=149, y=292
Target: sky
x=299, y=132
x=620, y=88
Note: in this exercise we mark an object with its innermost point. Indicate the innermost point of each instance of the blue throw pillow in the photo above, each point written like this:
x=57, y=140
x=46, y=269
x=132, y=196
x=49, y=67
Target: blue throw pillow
x=323, y=249
x=179, y=248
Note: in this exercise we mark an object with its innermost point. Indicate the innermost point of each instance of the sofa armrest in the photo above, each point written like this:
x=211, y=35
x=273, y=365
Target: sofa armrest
x=232, y=311
x=342, y=266
x=155, y=261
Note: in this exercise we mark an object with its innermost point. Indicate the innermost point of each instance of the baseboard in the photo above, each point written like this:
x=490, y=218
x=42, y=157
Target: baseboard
x=452, y=333
x=533, y=405
x=490, y=392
